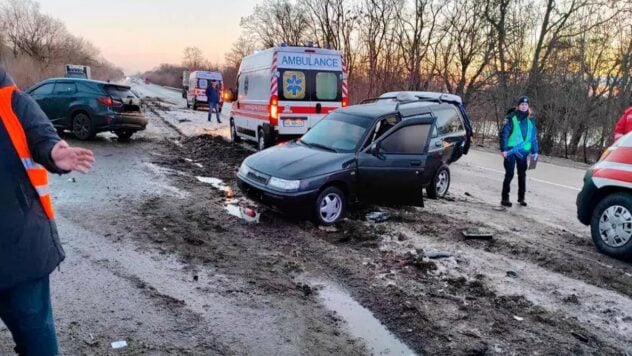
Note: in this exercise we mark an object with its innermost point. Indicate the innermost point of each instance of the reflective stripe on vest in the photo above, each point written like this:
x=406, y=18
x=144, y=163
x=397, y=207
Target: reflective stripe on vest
x=517, y=139
x=38, y=176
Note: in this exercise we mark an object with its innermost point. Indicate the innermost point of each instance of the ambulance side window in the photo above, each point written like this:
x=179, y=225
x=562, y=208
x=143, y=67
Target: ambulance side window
x=241, y=92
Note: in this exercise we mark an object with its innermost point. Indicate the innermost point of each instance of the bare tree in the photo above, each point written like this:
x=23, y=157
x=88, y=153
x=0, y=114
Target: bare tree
x=193, y=58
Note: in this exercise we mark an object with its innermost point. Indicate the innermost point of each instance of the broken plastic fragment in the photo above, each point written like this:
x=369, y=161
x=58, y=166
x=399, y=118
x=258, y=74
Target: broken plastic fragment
x=119, y=344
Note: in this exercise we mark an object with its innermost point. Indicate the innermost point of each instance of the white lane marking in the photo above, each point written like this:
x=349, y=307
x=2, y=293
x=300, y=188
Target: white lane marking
x=534, y=179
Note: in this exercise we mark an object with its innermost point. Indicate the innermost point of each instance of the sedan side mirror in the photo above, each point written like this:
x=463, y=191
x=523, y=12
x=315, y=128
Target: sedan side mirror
x=374, y=149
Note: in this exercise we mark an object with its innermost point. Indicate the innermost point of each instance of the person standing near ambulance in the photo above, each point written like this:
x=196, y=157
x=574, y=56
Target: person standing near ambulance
x=624, y=124
x=212, y=95
x=518, y=140
x=29, y=244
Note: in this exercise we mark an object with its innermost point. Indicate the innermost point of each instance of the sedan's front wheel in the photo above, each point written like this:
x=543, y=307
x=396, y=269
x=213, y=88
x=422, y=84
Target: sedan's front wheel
x=331, y=206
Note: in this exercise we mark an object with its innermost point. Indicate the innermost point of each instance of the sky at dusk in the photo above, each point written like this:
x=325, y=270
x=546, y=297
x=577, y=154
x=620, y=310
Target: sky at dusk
x=138, y=35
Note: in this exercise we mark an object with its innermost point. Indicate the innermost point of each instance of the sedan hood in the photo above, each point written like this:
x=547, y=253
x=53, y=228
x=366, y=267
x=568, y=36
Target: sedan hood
x=293, y=161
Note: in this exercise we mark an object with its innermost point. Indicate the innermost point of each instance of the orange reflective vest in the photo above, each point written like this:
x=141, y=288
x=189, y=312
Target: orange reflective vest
x=37, y=174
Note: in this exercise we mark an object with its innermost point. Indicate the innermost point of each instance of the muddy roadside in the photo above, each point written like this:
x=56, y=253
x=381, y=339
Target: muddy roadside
x=434, y=306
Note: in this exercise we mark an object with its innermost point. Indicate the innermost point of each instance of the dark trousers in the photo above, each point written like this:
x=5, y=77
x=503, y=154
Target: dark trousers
x=212, y=106
x=26, y=310
x=510, y=166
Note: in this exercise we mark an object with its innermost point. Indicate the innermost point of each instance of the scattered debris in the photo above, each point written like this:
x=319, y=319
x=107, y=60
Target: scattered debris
x=518, y=318
x=437, y=255
x=572, y=299
x=580, y=337
x=512, y=274
x=119, y=344
x=499, y=208
x=183, y=120
x=477, y=234
x=72, y=180
x=328, y=228
x=378, y=216
x=468, y=194
x=198, y=165
x=307, y=290
x=246, y=214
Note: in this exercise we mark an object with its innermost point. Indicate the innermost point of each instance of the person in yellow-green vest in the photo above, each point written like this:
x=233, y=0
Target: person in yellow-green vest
x=518, y=140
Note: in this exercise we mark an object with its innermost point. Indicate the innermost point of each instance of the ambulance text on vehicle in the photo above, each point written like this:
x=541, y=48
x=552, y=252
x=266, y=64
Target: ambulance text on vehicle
x=283, y=91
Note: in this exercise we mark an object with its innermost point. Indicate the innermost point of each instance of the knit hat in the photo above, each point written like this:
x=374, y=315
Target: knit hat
x=523, y=99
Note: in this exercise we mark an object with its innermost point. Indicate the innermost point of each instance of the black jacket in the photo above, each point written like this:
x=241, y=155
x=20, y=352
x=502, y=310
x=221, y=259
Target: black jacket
x=29, y=243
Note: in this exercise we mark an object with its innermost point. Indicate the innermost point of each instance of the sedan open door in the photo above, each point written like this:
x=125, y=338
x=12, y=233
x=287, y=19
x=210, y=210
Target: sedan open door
x=391, y=169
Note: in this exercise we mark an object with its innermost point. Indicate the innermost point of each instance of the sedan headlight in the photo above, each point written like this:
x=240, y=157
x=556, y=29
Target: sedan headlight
x=285, y=185
x=244, y=170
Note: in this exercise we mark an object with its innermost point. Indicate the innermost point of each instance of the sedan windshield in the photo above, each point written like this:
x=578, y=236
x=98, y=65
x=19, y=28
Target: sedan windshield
x=337, y=132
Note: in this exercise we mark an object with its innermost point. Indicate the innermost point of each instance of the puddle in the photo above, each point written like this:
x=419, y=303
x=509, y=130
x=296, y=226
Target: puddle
x=215, y=182
x=361, y=322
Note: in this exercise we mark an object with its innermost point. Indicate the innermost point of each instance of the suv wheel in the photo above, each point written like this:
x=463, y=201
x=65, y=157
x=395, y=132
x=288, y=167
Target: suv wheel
x=233, y=132
x=611, y=225
x=331, y=206
x=440, y=184
x=262, y=142
x=82, y=127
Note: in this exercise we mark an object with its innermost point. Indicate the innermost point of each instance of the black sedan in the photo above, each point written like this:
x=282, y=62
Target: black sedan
x=381, y=152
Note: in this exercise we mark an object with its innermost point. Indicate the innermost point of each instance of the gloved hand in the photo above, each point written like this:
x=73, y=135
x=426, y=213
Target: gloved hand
x=504, y=154
x=535, y=156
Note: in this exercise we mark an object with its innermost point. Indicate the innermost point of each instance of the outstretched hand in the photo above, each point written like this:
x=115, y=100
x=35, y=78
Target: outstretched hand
x=72, y=158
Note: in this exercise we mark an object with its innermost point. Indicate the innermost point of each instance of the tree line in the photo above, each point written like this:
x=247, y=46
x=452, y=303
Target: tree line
x=573, y=58
x=35, y=46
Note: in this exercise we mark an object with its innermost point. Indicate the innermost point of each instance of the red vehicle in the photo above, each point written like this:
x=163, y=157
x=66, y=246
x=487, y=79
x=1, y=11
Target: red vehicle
x=605, y=202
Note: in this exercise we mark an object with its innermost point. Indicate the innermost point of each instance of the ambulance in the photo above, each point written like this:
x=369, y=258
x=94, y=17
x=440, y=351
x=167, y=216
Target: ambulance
x=284, y=91
x=196, y=90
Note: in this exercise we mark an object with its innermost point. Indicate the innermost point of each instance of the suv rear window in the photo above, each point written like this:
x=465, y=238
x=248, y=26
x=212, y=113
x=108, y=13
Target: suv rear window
x=119, y=92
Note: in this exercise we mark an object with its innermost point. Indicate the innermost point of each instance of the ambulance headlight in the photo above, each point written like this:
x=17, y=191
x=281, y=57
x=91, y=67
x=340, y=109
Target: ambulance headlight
x=284, y=185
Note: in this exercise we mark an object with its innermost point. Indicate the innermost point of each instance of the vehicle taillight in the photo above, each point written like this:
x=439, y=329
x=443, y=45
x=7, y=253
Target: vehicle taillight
x=273, y=109
x=107, y=101
x=345, y=102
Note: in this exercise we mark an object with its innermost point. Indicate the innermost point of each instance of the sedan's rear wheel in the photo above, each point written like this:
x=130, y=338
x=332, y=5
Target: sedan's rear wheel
x=331, y=206
x=611, y=225
x=440, y=184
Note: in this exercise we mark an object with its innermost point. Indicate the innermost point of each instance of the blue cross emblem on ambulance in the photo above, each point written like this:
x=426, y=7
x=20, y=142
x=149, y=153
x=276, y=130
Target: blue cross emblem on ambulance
x=294, y=85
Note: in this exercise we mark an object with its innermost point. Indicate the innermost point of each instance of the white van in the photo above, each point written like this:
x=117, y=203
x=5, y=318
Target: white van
x=283, y=91
x=196, y=91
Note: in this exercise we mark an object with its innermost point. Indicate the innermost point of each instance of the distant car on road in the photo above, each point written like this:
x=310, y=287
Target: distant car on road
x=87, y=107
x=605, y=202
x=385, y=152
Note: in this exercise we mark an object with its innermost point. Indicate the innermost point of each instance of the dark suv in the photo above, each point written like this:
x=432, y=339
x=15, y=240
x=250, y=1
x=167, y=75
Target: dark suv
x=386, y=151
x=87, y=107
